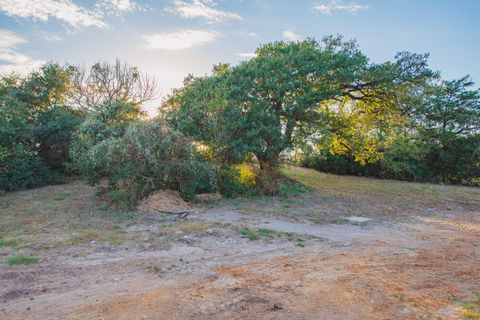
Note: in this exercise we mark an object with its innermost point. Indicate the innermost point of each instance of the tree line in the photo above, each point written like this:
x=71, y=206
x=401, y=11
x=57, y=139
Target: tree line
x=322, y=104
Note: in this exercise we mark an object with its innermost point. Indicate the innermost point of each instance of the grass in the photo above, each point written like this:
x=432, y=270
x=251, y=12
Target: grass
x=257, y=234
x=332, y=197
x=471, y=309
x=251, y=235
x=187, y=227
x=56, y=216
x=22, y=260
x=72, y=214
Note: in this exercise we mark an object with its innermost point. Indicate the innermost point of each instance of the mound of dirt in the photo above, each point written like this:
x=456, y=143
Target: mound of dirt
x=165, y=200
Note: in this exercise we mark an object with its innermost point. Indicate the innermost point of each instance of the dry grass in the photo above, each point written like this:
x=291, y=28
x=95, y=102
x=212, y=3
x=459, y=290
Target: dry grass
x=332, y=197
x=187, y=227
x=55, y=216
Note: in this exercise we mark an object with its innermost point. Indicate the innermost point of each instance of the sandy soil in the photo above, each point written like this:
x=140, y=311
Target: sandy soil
x=412, y=270
x=426, y=266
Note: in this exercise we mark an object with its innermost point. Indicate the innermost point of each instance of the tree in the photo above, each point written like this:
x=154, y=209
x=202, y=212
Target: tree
x=448, y=120
x=106, y=84
x=289, y=94
x=35, y=126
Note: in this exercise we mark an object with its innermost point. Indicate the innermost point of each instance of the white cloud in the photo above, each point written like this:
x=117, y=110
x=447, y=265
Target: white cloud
x=179, y=40
x=202, y=9
x=67, y=11
x=247, y=55
x=290, y=35
x=10, y=59
x=252, y=34
x=329, y=8
x=64, y=10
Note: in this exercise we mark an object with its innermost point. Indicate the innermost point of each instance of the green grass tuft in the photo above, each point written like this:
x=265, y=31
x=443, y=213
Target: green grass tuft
x=22, y=260
x=249, y=234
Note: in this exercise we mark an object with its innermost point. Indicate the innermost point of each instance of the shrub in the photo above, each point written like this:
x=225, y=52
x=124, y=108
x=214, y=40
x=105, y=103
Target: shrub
x=21, y=168
x=148, y=157
x=237, y=180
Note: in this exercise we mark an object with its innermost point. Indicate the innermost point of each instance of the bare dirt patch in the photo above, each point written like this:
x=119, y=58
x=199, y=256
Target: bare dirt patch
x=421, y=264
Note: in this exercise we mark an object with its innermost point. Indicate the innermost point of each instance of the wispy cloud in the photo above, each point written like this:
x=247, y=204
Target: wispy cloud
x=290, y=35
x=202, y=9
x=247, y=55
x=67, y=11
x=50, y=36
x=332, y=6
x=179, y=40
x=12, y=60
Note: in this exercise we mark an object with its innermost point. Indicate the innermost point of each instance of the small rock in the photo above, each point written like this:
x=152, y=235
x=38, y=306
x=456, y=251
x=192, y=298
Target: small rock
x=358, y=220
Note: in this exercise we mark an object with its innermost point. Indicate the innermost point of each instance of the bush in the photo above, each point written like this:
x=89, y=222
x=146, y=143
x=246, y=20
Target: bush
x=54, y=134
x=237, y=180
x=21, y=169
x=150, y=156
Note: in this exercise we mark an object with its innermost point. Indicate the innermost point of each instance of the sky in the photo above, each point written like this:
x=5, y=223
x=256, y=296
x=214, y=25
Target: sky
x=170, y=39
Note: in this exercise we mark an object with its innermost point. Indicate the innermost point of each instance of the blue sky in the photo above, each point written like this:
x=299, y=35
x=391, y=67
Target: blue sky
x=171, y=38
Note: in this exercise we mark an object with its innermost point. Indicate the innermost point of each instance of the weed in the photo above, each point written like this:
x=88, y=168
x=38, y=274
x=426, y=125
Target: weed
x=400, y=296
x=22, y=260
x=265, y=233
x=300, y=243
x=249, y=234
x=252, y=235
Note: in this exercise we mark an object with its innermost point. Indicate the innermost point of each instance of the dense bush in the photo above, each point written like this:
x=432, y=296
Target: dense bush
x=20, y=168
x=35, y=128
x=149, y=156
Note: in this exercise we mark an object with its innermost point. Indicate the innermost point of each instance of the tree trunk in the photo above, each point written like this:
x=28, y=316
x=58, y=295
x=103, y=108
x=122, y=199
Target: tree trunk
x=268, y=176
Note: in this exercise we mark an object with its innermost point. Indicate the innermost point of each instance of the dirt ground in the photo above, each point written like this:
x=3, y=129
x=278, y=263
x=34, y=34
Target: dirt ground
x=294, y=257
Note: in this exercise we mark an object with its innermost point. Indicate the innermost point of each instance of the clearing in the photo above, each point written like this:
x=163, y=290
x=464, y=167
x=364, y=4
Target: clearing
x=311, y=254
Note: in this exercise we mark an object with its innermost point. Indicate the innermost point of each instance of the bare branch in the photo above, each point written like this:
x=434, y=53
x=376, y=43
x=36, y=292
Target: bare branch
x=106, y=83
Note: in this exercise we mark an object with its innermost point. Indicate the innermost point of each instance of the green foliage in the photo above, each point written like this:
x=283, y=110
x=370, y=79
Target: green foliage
x=255, y=235
x=21, y=169
x=149, y=156
x=251, y=235
x=292, y=94
x=54, y=131
x=35, y=127
x=237, y=180
x=448, y=125
x=402, y=161
x=97, y=134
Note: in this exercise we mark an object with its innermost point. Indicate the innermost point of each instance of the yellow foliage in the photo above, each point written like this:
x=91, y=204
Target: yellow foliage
x=246, y=174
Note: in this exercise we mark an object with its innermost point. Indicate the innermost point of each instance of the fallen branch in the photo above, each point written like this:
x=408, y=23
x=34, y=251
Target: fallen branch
x=181, y=214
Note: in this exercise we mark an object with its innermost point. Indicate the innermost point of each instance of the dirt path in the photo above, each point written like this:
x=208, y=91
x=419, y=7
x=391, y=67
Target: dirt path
x=420, y=269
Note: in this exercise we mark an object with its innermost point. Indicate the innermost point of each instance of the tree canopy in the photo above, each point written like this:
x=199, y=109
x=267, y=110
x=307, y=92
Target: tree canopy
x=294, y=93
